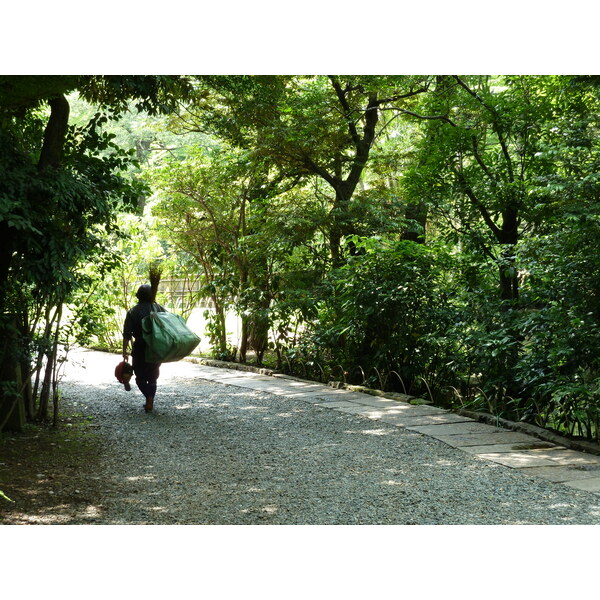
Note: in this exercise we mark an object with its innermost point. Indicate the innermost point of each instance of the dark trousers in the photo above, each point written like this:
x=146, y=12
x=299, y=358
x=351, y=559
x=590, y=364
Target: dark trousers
x=146, y=375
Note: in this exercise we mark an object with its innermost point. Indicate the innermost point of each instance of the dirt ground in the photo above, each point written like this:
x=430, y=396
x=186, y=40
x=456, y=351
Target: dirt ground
x=40, y=471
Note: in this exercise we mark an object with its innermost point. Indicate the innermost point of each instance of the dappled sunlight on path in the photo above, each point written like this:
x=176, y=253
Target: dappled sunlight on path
x=220, y=448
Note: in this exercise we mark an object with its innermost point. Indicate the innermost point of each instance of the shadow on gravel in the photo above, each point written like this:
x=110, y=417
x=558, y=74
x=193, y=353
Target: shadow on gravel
x=218, y=454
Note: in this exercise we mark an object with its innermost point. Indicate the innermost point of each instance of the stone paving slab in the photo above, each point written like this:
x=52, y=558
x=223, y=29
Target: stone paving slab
x=410, y=420
x=281, y=384
x=255, y=385
x=317, y=398
x=336, y=404
x=227, y=374
x=547, y=457
x=354, y=409
x=495, y=448
x=365, y=399
x=397, y=405
x=333, y=394
x=564, y=456
x=560, y=474
x=373, y=401
x=517, y=460
x=281, y=391
x=308, y=386
x=256, y=382
x=289, y=393
x=236, y=382
x=313, y=398
x=255, y=378
x=587, y=485
x=409, y=423
x=463, y=440
x=387, y=415
x=454, y=428
x=220, y=378
x=407, y=411
x=295, y=392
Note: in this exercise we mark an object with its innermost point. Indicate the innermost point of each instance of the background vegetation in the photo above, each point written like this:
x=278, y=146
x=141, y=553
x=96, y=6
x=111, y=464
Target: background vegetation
x=432, y=235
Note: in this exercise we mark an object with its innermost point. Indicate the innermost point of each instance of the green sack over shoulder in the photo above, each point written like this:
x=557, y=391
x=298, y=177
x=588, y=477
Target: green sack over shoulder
x=167, y=337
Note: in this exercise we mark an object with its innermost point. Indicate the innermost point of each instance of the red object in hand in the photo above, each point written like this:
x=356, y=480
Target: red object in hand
x=123, y=373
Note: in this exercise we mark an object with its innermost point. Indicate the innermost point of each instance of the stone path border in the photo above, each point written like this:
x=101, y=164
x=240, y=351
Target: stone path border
x=529, y=454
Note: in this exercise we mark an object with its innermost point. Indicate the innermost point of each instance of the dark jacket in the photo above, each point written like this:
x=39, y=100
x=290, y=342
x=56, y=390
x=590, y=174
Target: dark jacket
x=133, y=325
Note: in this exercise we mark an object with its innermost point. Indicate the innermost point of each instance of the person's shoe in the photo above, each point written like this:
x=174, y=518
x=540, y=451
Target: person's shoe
x=149, y=405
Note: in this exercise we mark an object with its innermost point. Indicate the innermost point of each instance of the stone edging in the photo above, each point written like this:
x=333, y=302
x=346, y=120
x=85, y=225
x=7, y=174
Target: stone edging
x=211, y=362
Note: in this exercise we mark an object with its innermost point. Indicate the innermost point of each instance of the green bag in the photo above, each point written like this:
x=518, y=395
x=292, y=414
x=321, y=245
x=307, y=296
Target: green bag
x=167, y=337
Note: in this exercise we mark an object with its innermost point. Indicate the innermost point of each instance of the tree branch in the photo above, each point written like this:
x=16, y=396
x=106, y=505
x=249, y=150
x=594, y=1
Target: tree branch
x=480, y=161
x=346, y=108
x=478, y=204
x=424, y=117
x=403, y=96
x=313, y=167
x=495, y=125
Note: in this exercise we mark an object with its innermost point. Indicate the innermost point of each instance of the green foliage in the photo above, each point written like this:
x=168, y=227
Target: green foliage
x=496, y=173
x=61, y=186
x=297, y=202
x=99, y=306
x=383, y=315
x=560, y=368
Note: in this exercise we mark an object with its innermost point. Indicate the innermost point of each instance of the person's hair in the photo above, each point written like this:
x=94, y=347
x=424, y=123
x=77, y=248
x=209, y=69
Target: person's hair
x=144, y=293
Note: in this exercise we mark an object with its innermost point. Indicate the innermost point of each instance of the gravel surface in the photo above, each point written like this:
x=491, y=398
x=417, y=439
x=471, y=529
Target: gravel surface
x=220, y=454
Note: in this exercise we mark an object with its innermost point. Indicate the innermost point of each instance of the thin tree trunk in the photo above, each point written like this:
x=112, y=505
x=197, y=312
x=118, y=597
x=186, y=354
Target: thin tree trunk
x=52, y=336
x=12, y=413
x=55, y=395
x=243, y=347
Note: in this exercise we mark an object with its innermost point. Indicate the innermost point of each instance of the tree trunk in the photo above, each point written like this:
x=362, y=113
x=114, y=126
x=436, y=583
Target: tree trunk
x=25, y=331
x=509, y=237
x=340, y=226
x=509, y=281
x=55, y=133
x=7, y=247
x=42, y=413
x=344, y=188
x=416, y=212
x=259, y=332
x=220, y=328
x=243, y=345
x=154, y=275
x=12, y=410
x=243, y=348
x=335, y=242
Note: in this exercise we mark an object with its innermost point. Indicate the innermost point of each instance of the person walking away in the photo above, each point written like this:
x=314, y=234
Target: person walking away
x=146, y=374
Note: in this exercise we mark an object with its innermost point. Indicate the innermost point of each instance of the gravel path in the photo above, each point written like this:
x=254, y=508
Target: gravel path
x=220, y=454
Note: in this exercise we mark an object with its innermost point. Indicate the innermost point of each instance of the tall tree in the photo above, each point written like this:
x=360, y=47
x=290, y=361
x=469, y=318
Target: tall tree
x=483, y=139
x=308, y=126
x=218, y=206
